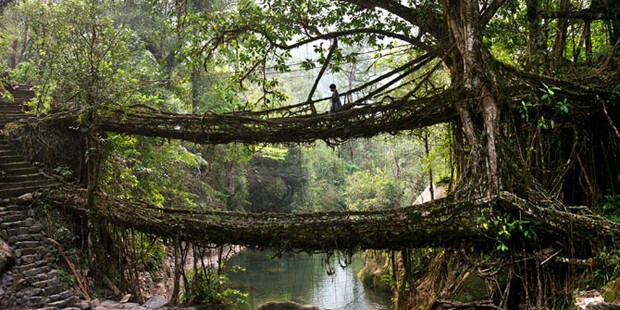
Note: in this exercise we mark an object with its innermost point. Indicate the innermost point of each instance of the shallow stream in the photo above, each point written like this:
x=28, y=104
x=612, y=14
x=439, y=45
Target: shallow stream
x=303, y=278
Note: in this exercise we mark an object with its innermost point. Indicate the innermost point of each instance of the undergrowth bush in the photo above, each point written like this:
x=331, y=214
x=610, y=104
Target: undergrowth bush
x=208, y=290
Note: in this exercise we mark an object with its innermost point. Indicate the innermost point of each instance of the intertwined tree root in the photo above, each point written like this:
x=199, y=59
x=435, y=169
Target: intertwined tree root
x=441, y=223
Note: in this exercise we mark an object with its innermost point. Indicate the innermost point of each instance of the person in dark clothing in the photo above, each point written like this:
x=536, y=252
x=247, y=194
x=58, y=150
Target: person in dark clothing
x=336, y=104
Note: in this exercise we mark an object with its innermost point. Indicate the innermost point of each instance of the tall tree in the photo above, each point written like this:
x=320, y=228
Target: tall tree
x=457, y=33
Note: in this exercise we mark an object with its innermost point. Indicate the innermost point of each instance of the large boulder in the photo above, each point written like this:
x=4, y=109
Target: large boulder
x=592, y=300
x=612, y=291
x=285, y=305
x=376, y=267
x=7, y=257
x=156, y=302
x=602, y=306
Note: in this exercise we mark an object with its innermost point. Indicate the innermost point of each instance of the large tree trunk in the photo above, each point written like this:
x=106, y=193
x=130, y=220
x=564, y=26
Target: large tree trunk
x=471, y=68
x=560, y=39
x=535, y=41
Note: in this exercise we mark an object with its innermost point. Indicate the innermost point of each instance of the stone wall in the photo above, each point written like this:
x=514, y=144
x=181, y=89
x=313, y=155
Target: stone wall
x=33, y=281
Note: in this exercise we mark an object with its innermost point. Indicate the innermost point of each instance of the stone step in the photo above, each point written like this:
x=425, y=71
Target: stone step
x=32, y=236
x=32, y=259
x=22, y=90
x=41, y=182
x=16, y=178
x=21, y=99
x=44, y=282
x=7, y=107
x=4, y=121
x=8, y=167
x=10, y=113
x=43, y=277
x=18, y=191
x=23, y=94
x=12, y=171
x=31, y=272
x=19, y=223
x=13, y=208
x=7, y=151
x=10, y=159
x=28, y=244
x=58, y=293
x=11, y=117
x=21, y=86
x=12, y=216
x=18, y=231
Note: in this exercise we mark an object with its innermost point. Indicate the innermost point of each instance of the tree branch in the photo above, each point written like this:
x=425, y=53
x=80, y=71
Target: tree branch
x=426, y=21
x=318, y=78
x=336, y=34
x=586, y=14
x=490, y=11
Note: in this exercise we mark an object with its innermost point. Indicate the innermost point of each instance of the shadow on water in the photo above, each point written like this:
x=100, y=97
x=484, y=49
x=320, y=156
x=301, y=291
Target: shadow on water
x=303, y=278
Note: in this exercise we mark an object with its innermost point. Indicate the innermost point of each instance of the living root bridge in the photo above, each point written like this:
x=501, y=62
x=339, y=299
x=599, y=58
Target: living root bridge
x=275, y=126
x=442, y=223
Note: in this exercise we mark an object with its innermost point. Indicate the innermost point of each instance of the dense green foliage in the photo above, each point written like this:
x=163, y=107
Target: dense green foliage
x=208, y=291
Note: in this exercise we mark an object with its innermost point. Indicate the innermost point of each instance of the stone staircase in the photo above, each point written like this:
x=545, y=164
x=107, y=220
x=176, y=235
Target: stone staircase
x=14, y=110
x=17, y=176
x=33, y=282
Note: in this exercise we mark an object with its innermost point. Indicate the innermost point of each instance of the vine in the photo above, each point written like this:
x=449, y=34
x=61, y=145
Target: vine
x=506, y=227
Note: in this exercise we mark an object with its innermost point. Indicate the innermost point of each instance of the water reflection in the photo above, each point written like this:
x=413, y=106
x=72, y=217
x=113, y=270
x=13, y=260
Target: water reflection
x=303, y=278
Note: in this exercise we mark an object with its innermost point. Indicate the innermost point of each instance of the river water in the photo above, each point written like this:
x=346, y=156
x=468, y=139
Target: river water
x=303, y=278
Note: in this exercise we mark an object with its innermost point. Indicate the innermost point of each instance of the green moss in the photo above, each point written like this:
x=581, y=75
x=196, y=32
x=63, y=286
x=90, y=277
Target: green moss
x=376, y=273
x=612, y=292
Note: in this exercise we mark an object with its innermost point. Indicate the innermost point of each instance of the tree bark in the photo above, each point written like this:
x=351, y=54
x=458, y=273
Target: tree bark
x=560, y=39
x=22, y=53
x=473, y=71
x=13, y=55
x=534, y=38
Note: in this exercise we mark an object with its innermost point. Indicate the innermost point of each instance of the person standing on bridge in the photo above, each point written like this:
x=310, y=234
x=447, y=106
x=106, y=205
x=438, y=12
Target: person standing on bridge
x=336, y=104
